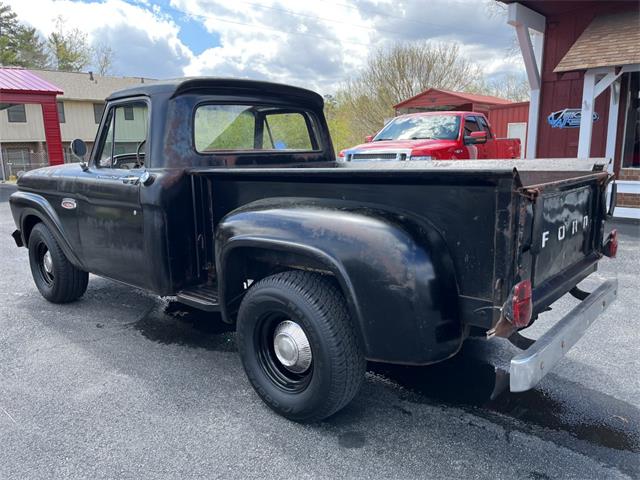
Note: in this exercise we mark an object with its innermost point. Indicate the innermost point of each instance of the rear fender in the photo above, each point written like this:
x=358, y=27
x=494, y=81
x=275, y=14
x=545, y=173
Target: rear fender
x=395, y=273
x=28, y=207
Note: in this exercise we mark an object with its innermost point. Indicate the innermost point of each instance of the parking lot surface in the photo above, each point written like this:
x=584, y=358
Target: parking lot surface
x=123, y=384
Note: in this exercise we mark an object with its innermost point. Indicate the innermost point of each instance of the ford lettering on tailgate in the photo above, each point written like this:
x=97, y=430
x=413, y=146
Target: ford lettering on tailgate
x=564, y=236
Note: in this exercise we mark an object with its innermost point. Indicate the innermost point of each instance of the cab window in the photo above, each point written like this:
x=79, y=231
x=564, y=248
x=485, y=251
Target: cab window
x=252, y=128
x=485, y=126
x=286, y=131
x=124, y=141
x=471, y=125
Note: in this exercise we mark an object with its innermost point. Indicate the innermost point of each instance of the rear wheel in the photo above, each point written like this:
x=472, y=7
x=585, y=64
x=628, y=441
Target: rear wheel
x=56, y=278
x=298, y=345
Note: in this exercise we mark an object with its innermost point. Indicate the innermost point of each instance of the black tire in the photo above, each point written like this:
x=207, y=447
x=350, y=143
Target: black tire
x=64, y=282
x=337, y=366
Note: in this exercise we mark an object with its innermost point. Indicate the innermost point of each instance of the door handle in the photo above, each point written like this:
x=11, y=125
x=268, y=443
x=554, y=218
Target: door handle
x=131, y=180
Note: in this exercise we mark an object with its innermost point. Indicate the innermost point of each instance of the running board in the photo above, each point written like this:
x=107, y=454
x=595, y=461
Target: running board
x=203, y=297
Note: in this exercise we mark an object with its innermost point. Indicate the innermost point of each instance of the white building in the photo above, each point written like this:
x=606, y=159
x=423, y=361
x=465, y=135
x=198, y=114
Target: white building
x=80, y=107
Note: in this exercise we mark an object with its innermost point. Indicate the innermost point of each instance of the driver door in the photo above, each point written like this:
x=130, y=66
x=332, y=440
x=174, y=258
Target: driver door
x=110, y=215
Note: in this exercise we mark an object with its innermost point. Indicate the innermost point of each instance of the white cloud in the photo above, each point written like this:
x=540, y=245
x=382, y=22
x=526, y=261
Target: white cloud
x=145, y=41
x=316, y=44
x=321, y=43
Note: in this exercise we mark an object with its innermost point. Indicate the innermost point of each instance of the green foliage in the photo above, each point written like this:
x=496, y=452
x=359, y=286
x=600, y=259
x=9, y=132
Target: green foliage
x=20, y=46
x=68, y=49
x=288, y=131
x=9, y=27
x=31, y=52
x=64, y=49
x=343, y=124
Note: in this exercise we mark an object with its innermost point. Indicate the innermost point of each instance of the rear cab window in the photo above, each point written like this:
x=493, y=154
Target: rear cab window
x=253, y=128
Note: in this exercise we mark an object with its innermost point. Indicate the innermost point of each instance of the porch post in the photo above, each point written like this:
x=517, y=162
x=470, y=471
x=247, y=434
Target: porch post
x=612, y=125
x=526, y=22
x=586, y=115
x=52, y=132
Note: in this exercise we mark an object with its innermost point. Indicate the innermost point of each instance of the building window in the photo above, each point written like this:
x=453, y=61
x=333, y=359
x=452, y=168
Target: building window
x=17, y=114
x=128, y=113
x=61, y=112
x=98, y=108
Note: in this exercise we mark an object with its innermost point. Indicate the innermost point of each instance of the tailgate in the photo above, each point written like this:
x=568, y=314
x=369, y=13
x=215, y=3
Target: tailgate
x=567, y=219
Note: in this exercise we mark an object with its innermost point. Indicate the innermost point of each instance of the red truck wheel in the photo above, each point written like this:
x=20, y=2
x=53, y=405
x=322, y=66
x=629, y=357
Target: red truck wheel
x=298, y=345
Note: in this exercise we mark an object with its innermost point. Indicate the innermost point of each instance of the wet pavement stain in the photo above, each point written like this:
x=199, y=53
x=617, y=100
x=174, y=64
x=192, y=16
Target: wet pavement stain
x=178, y=324
x=466, y=382
x=564, y=412
x=352, y=440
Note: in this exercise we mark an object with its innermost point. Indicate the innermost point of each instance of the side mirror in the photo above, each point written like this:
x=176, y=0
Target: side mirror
x=368, y=138
x=476, y=138
x=79, y=148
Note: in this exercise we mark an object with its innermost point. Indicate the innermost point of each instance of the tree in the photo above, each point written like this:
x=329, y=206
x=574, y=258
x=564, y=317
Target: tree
x=68, y=49
x=32, y=51
x=510, y=86
x=20, y=45
x=340, y=120
x=401, y=71
x=103, y=56
x=9, y=28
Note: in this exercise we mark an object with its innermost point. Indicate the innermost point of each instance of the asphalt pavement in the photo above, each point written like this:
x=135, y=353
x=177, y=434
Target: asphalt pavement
x=123, y=384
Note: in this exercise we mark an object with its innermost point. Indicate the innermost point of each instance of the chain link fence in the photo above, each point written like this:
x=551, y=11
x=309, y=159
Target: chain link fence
x=13, y=162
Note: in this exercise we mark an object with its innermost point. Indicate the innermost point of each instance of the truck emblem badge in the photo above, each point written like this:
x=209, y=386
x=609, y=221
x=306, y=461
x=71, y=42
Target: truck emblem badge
x=69, y=203
x=573, y=228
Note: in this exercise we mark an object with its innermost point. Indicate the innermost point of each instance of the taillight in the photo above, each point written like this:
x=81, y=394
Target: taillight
x=341, y=154
x=521, y=304
x=610, y=248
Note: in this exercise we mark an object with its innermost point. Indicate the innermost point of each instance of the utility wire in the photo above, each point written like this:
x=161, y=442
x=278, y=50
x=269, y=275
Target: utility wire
x=315, y=17
x=263, y=27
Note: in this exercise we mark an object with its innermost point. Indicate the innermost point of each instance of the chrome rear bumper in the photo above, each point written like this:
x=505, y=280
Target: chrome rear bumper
x=528, y=367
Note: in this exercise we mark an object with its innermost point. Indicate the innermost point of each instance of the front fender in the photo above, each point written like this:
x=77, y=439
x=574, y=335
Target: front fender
x=394, y=271
x=28, y=204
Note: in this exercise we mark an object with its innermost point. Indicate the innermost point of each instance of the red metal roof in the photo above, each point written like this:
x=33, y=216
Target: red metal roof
x=468, y=97
x=18, y=80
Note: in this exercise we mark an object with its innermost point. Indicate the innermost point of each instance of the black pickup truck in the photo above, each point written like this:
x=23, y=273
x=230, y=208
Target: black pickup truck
x=226, y=194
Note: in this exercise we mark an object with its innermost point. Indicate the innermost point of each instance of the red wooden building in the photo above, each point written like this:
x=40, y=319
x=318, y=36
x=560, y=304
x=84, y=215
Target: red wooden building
x=583, y=64
x=438, y=99
x=19, y=86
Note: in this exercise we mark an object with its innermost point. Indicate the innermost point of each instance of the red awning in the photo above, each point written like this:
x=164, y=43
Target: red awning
x=19, y=86
x=17, y=80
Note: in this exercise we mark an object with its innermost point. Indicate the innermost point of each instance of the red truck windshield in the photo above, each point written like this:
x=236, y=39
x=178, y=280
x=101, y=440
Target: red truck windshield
x=441, y=127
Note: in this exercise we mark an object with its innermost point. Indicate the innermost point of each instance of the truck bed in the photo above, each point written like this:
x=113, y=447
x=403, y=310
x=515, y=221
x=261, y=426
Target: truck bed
x=486, y=212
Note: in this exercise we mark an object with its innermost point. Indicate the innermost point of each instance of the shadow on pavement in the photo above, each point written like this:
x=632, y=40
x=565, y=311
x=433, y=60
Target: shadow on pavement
x=467, y=381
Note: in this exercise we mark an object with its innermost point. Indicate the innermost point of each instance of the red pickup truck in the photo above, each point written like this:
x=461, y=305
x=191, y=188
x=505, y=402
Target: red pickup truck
x=434, y=136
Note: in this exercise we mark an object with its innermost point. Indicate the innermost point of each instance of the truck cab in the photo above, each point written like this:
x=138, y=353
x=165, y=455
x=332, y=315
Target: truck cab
x=226, y=194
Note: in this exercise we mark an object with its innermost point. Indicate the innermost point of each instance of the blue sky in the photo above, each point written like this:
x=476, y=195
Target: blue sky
x=316, y=43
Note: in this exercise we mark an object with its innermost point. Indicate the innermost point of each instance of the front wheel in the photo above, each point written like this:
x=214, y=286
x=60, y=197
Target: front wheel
x=57, y=279
x=299, y=346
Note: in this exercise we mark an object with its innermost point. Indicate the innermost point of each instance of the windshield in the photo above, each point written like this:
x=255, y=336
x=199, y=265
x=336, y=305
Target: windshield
x=441, y=127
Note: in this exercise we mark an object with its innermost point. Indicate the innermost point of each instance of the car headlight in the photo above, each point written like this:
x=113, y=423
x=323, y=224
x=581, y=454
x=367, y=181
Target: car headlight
x=421, y=157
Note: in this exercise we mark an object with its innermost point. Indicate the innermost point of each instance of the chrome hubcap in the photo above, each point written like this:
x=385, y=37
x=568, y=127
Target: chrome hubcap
x=47, y=262
x=291, y=346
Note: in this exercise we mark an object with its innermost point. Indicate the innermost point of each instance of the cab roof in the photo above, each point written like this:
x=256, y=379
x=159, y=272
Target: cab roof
x=223, y=86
